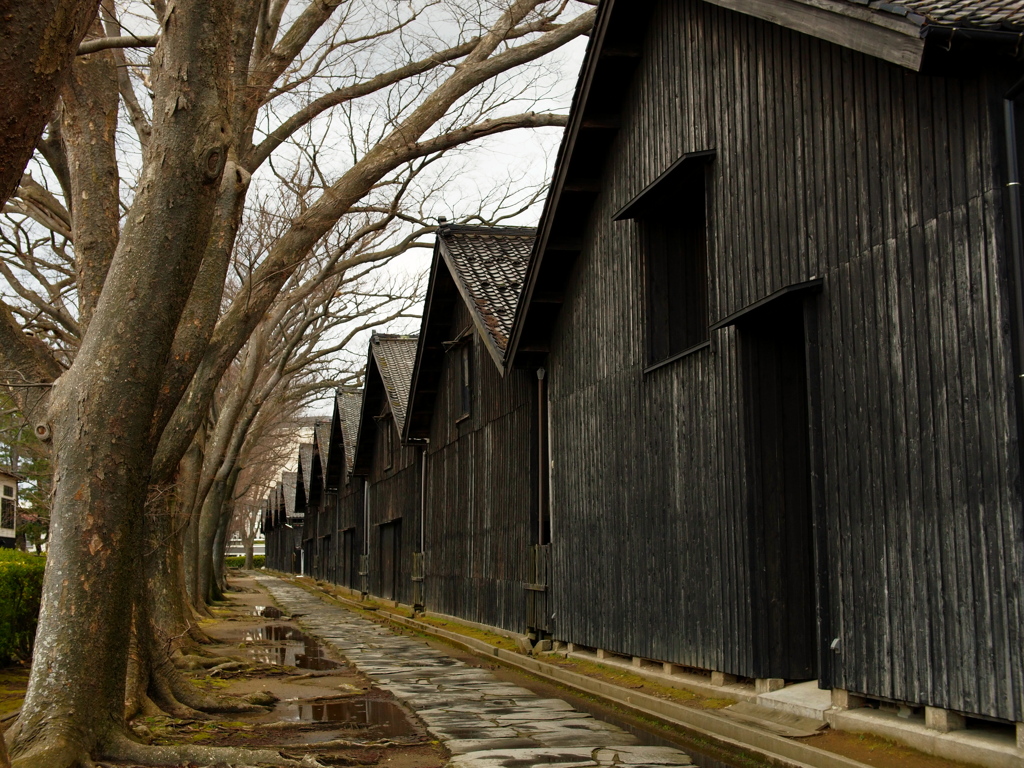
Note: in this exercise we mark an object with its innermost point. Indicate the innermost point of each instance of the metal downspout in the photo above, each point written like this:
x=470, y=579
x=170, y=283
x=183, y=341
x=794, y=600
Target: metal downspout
x=423, y=498
x=1016, y=247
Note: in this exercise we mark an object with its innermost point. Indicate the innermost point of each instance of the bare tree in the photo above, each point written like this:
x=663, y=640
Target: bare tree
x=235, y=100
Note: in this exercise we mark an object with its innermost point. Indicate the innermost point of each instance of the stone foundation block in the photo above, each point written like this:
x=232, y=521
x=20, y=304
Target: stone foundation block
x=943, y=720
x=722, y=678
x=845, y=700
x=768, y=684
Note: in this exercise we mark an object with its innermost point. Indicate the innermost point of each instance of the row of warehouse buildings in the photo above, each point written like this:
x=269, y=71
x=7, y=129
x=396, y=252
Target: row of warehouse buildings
x=748, y=400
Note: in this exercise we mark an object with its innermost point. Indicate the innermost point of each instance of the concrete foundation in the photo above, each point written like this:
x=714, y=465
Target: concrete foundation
x=722, y=678
x=1020, y=735
x=768, y=684
x=845, y=700
x=603, y=654
x=638, y=662
x=670, y=669
x=943, y=720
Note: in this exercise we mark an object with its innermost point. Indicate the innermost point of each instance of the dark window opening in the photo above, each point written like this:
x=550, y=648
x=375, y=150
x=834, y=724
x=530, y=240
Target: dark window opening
x=465, y=381
x=6, y=513
x=389, y=443
x=672, y=221
x=9, y=491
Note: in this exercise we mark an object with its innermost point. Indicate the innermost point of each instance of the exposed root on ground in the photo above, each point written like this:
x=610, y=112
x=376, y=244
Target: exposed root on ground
x=58, y=751
x=174, y=687
x=193, y=661
x=121, y=747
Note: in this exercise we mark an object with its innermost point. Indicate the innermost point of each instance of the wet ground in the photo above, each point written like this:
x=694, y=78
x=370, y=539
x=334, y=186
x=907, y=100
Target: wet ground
x=324, y=707
x=483, y=720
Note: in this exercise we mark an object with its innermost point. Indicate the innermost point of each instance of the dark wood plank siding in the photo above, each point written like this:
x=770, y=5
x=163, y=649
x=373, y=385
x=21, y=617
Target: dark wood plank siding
x=882, y=182
x=394, y=494
x=480, y=491
x=349, y=541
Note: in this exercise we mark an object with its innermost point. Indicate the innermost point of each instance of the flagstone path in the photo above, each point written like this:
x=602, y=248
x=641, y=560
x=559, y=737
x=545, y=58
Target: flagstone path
x=484, y=722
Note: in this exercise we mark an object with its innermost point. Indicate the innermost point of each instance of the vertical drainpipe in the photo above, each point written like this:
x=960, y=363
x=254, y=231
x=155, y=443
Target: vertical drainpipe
x=1016, y=247
x=423, y=496
x=365, y=585
x=544, y=515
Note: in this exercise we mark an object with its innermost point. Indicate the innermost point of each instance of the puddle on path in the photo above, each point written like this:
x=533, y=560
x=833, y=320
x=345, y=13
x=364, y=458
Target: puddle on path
x=267, y=611
x=276, y=633
x=384, y=717
x=287, y=646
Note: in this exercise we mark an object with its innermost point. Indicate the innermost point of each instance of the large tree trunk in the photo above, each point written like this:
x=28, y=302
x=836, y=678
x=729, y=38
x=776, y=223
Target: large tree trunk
x=102, y=408
x=38, y=42
x=221, y=541
x=209, y=522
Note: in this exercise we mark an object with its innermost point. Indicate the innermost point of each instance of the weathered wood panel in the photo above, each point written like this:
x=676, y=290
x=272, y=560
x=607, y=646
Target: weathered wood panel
x=883, y=183
x=394, y=495
x=349, y=537
x=480, y=490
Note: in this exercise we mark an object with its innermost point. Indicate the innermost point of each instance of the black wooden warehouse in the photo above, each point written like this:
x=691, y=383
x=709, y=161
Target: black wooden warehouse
x=282, y=528
x=772, y=292
x=391, y=531
x=478, y=429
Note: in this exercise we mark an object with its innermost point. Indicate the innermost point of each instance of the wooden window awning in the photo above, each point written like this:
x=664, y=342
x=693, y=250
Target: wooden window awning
x=808, y=286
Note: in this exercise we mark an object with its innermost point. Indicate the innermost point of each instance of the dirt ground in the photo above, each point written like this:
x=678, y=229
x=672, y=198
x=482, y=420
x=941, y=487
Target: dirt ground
x=316, y=705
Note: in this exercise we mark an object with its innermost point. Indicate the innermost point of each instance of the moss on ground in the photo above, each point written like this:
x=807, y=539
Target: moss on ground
x=491, y=638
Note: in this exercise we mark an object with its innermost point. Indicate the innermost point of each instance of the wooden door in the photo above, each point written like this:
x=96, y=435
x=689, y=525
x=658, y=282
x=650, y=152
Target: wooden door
x=781, y=512
x=389, y=561
x=350, y=559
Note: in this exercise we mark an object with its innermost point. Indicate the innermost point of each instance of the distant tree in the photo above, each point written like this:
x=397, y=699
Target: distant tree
x=22, y=452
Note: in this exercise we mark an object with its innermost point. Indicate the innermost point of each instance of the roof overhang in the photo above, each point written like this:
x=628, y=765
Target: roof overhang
x=891, y=36
x=374, y=399
x=885, y=31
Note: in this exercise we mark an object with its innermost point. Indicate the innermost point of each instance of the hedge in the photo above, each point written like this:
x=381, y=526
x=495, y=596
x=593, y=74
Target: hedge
x=258, y=561
x=21, y=587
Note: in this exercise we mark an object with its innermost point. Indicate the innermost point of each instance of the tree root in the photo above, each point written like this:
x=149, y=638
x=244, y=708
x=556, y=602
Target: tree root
x=186, y=693
x=55, y=752
x=121, y=747
x=193, y=661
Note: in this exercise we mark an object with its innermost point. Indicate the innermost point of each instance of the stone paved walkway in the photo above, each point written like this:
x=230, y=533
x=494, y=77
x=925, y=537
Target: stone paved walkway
x=484, y=722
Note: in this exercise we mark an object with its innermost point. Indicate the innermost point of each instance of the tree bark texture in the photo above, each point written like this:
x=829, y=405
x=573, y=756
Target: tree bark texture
x=89, y=121
x=209, y=523
x=38, y=42
x=102, y=408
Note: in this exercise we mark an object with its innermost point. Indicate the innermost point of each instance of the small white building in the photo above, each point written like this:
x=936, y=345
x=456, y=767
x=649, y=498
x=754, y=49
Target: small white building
x=8, y=508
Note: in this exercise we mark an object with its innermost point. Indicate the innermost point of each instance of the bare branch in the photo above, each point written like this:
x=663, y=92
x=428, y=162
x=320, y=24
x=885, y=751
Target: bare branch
x=124, y=41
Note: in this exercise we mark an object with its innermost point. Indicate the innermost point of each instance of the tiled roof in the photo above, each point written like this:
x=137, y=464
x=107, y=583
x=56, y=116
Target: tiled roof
x=971, y=13
x=395, y=356
x=306, y=451
x=290, y=481
x=322, y=435
x=349, y=404
x=491, y=263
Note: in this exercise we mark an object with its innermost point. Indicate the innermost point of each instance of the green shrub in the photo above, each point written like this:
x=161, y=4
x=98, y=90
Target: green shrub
x=258, y=561
x=21, y=587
